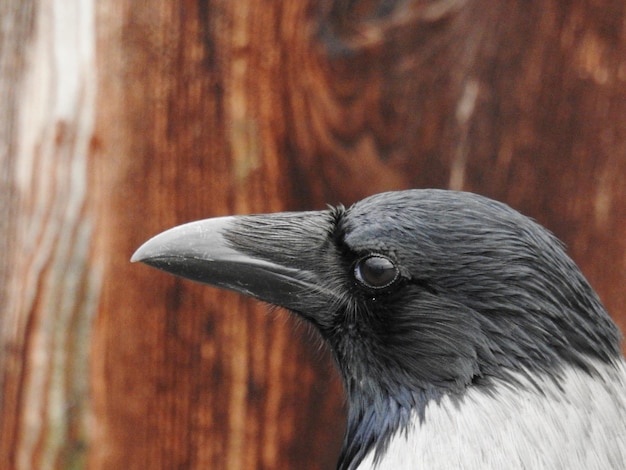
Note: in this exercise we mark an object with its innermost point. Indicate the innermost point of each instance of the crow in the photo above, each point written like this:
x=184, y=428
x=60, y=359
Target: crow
x=465, y=336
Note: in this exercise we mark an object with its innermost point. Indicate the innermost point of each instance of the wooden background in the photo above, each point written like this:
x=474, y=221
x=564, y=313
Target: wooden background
x=119, y=119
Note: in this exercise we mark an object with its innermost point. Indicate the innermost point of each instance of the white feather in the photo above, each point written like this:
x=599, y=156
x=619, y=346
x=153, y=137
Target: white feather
x=581, y=425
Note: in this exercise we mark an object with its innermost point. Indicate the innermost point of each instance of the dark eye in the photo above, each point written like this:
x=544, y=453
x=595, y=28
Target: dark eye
x=376, y=272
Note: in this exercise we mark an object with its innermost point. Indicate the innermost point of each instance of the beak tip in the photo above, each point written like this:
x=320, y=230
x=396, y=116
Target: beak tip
x=143, y=253
x=183, y=240
x=136, y=257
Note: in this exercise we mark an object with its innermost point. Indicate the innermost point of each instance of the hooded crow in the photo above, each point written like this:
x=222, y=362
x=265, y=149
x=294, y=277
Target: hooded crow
x=465, y=336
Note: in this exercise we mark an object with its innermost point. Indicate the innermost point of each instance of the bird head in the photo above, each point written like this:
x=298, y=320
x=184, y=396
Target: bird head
x=418, y=294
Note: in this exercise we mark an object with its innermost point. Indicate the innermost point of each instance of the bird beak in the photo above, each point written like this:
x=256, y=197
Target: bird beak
x=249, y=255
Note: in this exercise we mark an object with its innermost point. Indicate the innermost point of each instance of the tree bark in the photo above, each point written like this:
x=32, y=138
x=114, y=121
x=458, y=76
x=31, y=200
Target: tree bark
x=121, y=119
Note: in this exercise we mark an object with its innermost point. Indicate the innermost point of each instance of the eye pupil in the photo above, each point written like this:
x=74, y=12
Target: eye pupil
x=376, y=272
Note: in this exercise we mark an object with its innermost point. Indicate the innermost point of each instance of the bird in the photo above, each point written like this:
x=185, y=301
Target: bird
x=465, y=336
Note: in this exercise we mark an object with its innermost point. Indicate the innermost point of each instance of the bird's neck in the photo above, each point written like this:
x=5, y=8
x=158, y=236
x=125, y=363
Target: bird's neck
x=376, y=415
x=577, y=420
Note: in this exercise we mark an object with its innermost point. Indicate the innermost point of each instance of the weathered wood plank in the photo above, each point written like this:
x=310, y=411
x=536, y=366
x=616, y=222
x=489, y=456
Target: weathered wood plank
x=51, y=288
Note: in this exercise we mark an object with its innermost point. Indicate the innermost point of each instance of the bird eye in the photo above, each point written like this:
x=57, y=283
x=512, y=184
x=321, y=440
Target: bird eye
x=376, y=272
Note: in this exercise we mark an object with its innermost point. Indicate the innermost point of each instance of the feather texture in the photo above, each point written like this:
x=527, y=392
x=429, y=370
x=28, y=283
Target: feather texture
x=575, y=422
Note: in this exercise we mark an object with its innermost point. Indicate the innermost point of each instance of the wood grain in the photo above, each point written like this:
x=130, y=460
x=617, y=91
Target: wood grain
x=51, y=288
x=121, y=119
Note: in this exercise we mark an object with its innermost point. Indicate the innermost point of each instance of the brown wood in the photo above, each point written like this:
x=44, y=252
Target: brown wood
x=121, y=119
x=49, y=286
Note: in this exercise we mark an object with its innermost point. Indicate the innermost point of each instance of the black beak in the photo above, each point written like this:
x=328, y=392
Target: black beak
x=277, y=258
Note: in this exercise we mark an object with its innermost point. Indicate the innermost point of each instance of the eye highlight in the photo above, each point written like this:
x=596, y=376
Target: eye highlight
x=376, y=271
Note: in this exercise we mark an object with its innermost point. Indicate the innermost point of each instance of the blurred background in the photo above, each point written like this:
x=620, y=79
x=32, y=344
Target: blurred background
x=119, y=119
